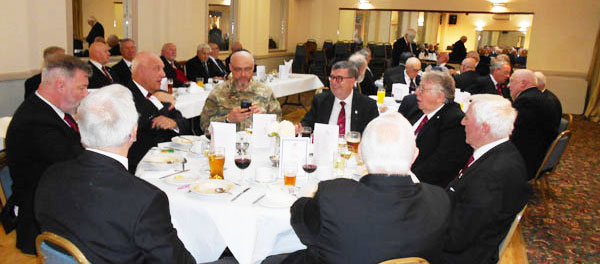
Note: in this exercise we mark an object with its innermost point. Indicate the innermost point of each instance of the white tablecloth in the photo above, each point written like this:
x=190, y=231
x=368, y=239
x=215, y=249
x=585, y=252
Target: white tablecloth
x=190, y=104
x=297, y=83
x=207, y=225
x=389, y=102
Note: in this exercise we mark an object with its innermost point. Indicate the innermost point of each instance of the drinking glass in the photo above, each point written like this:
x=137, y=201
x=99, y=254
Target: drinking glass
x=242, y=161
x=353, y=140
x=216, y=162
x=309, y=166
x=170, y=86
x=289, y=174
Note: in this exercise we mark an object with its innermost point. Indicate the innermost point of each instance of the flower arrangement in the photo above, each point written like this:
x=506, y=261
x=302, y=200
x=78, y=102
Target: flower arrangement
x=284, y=128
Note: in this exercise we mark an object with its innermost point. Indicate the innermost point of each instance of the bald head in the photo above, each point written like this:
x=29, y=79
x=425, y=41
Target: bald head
x=241, y=67
x=468, y=64
x=147, y=70
x=520, y=81
x=99, y=52
x=169, y=51
x=412, y=67
x=443, y=57
x=473, y=55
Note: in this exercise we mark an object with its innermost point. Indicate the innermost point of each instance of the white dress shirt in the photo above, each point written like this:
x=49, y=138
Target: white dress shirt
x=429, y=117
x=117, y=157
x=59, y=112
x=485, y=148
x=335, y=111
x=152, y=98
x=493, y=80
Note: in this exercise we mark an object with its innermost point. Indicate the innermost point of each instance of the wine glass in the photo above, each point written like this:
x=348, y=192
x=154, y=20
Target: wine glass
x=242, y=161
x=309, y=166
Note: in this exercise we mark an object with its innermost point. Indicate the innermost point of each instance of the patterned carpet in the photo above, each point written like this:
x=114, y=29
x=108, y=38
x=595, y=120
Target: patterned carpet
x=570, y=233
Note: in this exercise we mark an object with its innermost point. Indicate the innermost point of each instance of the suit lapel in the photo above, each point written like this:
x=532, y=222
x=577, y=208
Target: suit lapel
x=354, y=114
x=327, y=106
x=431, y=123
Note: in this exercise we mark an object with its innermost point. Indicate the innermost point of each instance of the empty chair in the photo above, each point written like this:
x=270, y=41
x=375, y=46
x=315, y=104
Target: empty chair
x=328, y=49
x=550, y=162
x=388, y=50
x=412, y=260
x=49, y=255
x=299, y=65
x=319, y=66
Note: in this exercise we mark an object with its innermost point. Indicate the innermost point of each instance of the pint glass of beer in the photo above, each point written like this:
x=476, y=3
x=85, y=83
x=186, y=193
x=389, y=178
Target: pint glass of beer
x=216, y=161
x=170, y=85
x=289, y=174
x=353, y=140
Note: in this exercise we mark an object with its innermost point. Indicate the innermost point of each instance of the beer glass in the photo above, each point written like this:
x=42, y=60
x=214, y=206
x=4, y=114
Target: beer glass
x=353, y=140
x=216, y=162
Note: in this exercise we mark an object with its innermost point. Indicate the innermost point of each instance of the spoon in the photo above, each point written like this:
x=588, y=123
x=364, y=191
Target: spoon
x=220, y=190
x=183, y=164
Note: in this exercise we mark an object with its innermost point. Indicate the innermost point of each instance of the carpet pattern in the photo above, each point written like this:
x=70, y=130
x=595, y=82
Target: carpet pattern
x=570, y=231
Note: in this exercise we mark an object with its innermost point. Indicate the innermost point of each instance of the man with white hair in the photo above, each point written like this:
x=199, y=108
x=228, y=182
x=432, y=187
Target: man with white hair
x=404, y=44
x=172, y=69
x=549, y=95
x=468, y=76
x=387, y=214
x=159, y=121
x=363, y=87
x=367, y=83
x=491, y=188
x=536, y=125
x=198, y=66
x=43, y=132
x=97, y=30
x=436, y=123
x=111, y=215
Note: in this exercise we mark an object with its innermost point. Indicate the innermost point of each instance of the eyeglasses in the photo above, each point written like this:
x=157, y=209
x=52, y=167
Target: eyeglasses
x=245, y=70
x=422, y=90
x=338, y=78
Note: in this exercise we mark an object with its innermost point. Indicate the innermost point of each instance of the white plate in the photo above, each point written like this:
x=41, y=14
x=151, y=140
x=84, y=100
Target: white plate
x=207, y=187
x=180, y=179
x=187, y=139
x=277, y=201
x=161, y=161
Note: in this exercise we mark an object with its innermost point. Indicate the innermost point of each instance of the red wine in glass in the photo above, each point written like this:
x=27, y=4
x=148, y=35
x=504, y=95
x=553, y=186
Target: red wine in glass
x=309, y=168
x=242, y=163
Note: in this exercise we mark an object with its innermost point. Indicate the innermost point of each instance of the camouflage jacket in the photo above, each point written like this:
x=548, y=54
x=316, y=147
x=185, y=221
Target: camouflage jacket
x=225, y=97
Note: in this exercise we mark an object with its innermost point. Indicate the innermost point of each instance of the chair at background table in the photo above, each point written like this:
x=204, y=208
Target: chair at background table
x=413, y=260
x=49, y=255
x=549, y=164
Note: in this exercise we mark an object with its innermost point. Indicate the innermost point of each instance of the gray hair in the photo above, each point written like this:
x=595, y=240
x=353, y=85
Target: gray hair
x=359, y=60
x=388, y=144
x=364, y=51
x=65, y=65
x=52, y=50
x=541, y=80
x=203, y=46
x=441, y=81
x=497, y=64
x=496, y=111
x=352, y=70
x=107, y=117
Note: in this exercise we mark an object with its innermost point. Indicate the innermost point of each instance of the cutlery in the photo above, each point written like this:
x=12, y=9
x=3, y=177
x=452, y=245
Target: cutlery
x=259, y=198
x=183, y=164
x=183, y=187
x=239, y=194
x=162, y=177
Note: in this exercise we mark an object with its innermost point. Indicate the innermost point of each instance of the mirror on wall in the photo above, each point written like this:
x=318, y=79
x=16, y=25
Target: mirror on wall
x=219, y=24
x=277, y=24
x=500, y=38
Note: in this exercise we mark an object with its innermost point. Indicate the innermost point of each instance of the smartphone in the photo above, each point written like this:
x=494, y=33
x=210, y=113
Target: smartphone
x=246, y=103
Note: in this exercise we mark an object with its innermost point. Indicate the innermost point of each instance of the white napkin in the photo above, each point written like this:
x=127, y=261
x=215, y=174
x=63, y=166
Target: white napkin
x=194, y=88
x=260, y=72
x=223, y=135
x=260, y=122
x=462, y=98
x=293, y=151
x=399, y=90
x=283, y=72
x=325, y=143
x=164, y=85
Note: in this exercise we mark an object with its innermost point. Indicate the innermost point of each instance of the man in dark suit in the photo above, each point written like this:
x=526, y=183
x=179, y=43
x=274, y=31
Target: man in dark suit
x=440, y=136
x=442, y=61
x=493, y=83
x=123, y=68
x=113, y=43
x=43, y=132
x=404, y=44
x=492, y=187
x=350, y=111
x=549, y=95
x=172, y=69
x=125, y=219
x=366, y=87
x=33, y=82
x=235, y=47
x=459, y=52
x=387, y=214
x=159, y=121
x=197, y=67
x=97, y=30
x=410, y=76
x=102, y=75
x=536, y=125
x=467, y=76
x=221, y=70
x=393, y=71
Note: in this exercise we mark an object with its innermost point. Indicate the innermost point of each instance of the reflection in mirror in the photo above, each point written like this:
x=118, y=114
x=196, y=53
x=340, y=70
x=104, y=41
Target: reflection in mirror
x=501, y=39
x=99, y=21
x=278, y=24
x=219, y=23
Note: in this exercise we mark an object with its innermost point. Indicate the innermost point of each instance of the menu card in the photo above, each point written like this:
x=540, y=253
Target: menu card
x=223, y=135
x=462, y=98
x=260, y=72
x=399, y=90
x=293, y=151
x=325, y=143
x=260, y=122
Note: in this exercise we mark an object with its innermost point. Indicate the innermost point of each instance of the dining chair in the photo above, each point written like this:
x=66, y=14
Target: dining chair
x=513, y=227
x=565, y=122
x=411, y=260
x=549, y=164
x=4, y=180
x=49, y=255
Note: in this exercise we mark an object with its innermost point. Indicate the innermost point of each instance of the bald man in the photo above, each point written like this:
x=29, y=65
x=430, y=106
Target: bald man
x=33, y=82
x=172, y=69
x=223, y=103
x=102, y=75
x=468, y=76
x=536, y=125
x=159, y=121
x=404, y=44
x=459, y=52
x=409, y=77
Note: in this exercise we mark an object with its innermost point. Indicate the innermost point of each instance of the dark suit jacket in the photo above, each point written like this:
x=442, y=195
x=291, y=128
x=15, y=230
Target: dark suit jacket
x=217, y=68
x=441, y=142
x=379, y=218
x=109, y=214
x=122, y=71
x=483, y=67
x=551, y=97
x=485, y=201
x=399, y=78
x=98, y=79
x=535, y=128
x=399, y=47
x=466, y=79
x=390, y=76
x=36, y=138
x=115, y=51
x=171, y=73
x=364, y=109
x=147, y=137
x=485, y=85
x=96, y=31
x=368, y=84
x=195, y=68
x=408, y=110
x=459, y=52
x=32, y=84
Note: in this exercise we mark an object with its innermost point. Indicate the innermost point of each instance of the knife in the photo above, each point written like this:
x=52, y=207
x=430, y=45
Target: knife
x=259, y=198
x=162, y=177
x=239, y=194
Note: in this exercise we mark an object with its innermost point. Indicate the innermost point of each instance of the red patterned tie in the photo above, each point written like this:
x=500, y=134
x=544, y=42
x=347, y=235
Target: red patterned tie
x=499, y=88
x=342, y=119
x=421, y=125
x=106, y=73
x=148, y=95
x=71, y=122
x=467, y=164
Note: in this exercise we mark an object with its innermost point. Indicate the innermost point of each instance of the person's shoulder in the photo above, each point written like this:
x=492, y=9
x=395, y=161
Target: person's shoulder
x=221, y=91
x=365, y=100
x=337, y=184
x=435, y=195
x=261, y=88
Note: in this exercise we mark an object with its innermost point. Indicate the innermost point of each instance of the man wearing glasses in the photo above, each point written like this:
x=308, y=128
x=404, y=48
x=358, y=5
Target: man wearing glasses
x=224, y=102
x=341, y=106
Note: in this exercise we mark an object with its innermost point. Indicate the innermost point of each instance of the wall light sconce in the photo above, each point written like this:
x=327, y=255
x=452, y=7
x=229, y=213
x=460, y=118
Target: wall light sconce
x=479, y=25
x=364, y=4
x=499, y=7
